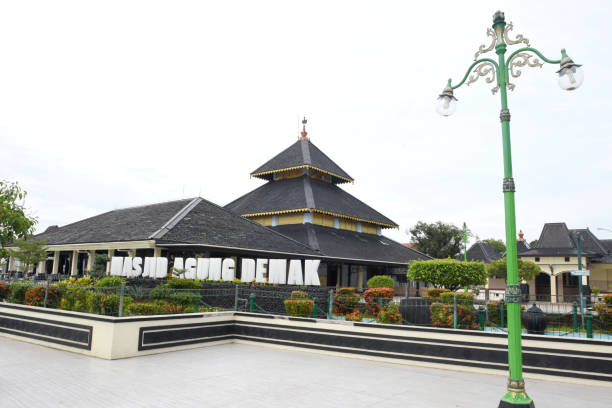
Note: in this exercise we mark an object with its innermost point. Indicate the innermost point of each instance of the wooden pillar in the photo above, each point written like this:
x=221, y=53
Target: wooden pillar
x=131, y=253
x=56, y=259
x=74, y=263
x=11, y=263
x=41, y=267
x=157, y=252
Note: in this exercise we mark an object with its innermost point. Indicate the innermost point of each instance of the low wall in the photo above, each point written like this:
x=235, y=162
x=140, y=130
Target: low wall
x=112, y=338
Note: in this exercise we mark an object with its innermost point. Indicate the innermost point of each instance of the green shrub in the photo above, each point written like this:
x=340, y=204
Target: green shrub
x=73, y=298
x=35, y=296
x=299, y=307
x=436, y=292
x=144, y=309
x=82, y=281
x=175, y=283
x=376, y=299
x=184, y=298
x=5, y=289
x=448, y=273
x=442, y=315
x=356, y=316
x=110, y=281
x=389, y=315
x=18, y=291
x=345, y=301
x=102, y=303
x=161, y=292
x=299, y=294
x=604, y=312
x=463, y=297
x=381, y=281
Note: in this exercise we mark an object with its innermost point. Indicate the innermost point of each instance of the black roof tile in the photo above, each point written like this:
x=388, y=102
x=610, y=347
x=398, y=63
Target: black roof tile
x=126, y=224
x=208, y=224
x=557, y=240
x=304, y=192
x=194, y=221
x=351, y=245
x=302, y=153
x=481, y=251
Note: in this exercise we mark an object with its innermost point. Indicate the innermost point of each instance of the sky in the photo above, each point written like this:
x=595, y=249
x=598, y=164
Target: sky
x=105, y=105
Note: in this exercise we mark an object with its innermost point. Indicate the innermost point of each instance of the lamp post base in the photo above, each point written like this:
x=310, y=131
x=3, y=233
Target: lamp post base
x=516, y=400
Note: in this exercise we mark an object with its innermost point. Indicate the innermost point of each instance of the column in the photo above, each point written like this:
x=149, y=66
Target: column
x=560, y=294
x=11, y=263
x=157, y=252
x=360, y=278
x=56, y=259
x=74, y=263
x=41, y=267
x=131, y=253
x=91, y=255
x=553, y=289
x=110, y=254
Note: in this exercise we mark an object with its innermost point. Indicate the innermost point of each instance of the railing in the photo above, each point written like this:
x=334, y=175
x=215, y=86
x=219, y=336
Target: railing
x=562, y=318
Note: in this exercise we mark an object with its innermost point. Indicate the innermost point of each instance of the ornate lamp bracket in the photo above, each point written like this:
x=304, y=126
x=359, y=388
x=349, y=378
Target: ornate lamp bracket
x=485, y=69
x=520, y=60
x=483, y=48
x=519, y=37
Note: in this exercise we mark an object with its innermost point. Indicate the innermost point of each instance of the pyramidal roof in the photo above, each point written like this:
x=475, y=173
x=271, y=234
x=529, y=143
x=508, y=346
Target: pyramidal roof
x=305, y=194
x=302, y=154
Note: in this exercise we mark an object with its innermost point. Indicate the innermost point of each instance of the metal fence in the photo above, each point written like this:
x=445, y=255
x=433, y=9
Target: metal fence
x=558, y=318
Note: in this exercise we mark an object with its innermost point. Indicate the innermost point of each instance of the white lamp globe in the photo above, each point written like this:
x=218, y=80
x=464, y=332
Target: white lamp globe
x=571, y=77
x=446, y=105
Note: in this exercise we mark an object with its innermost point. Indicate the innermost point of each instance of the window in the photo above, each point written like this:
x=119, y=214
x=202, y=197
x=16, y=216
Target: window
x=537, y=259
x=567, y=259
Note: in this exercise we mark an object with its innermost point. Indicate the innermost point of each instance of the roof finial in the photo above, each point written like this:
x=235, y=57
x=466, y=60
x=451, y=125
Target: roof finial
x=304, y=133
x=521, y=236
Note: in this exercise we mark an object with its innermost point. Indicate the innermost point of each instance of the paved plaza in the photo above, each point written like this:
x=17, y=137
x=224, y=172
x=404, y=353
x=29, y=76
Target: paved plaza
x=240, y=375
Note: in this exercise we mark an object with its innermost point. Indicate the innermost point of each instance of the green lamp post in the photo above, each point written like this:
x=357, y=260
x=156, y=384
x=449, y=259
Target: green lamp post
x=570, y=78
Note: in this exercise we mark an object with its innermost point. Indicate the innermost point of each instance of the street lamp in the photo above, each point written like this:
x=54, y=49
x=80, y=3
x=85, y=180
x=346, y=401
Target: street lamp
x=570, y=78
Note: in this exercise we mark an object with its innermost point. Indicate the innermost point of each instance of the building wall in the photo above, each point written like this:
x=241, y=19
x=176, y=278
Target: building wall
x=601, y=276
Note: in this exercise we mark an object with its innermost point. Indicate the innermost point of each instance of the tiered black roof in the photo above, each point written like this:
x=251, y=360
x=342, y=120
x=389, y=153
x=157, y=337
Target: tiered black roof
x=183, y=222
x=557, y=240
x=304, y=193
x=351, y=245
x=302, y=153
x=481, y=251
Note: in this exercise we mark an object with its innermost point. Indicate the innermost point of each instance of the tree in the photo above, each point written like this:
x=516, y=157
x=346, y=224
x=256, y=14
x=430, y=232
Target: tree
x=14, y=222
x=533, y=243
x=99, y=266
x=527, y=270
x=29, y=253
x=448, y=273
x=438, y=240
x=497, y=245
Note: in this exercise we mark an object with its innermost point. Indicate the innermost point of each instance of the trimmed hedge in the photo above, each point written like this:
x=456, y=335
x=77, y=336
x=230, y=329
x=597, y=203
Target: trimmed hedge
x=110, y=281
x=448, y=273
x=389, y=315
x=345, y=301
x=381, y=281
x=299, y=307
x=377, y=299
x=436, y=292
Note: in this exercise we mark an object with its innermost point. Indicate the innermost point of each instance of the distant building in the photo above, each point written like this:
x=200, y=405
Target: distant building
x=480, y=251
x=556, y=254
